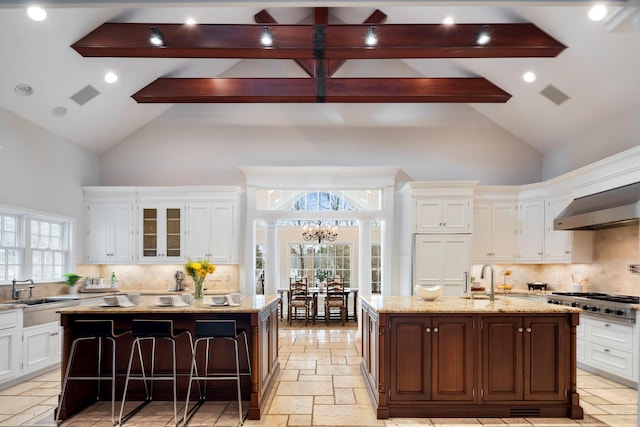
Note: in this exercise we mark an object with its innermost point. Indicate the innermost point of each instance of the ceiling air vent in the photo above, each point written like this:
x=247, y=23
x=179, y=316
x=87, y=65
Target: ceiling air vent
x=85, y=95
x=554, y=94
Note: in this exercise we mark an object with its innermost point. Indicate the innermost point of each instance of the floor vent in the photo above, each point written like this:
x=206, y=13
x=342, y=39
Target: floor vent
x=524, y=412
x=554, y=94
x=85, y=95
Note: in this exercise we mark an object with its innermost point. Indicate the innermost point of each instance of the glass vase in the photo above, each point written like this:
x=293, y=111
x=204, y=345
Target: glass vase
x=197, y=290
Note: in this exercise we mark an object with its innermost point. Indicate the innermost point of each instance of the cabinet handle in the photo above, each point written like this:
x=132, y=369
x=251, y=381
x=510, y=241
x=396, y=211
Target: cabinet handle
x=567, y=252
x=428, y=330
x=53, y=333
x=528, y=329
x=607, y=325
x=606, y=350
x=520, y=329
x=539, y=253
x=435, y=329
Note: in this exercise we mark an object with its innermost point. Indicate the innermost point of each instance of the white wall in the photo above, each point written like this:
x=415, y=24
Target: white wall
x=592, y=145
x=44, y=172
x=179, y=150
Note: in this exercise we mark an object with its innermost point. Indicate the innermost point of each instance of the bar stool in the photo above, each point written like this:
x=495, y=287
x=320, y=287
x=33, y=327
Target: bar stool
x=207, y=331
x=86, y=330
x=149, y=330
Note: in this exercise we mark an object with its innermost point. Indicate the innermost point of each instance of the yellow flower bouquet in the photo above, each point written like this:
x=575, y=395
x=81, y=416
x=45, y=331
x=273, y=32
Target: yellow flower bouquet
x=198, y=270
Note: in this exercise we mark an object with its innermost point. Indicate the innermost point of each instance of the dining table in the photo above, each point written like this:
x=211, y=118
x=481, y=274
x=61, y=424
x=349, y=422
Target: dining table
x=315, y=292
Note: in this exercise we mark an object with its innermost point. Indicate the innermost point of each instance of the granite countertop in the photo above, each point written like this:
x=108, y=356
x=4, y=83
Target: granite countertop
x=457, y=304
x=151, y=304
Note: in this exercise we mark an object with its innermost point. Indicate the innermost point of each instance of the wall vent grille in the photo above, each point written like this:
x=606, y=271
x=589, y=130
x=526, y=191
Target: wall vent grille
x=524, y=412
x=85, y=95
x=554, y=94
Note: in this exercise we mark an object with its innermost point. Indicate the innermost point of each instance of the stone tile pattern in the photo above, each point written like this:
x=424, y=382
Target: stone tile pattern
x=319, y=385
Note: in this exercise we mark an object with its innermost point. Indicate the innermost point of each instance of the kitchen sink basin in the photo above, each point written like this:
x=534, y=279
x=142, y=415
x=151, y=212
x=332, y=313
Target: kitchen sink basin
x=43, y=310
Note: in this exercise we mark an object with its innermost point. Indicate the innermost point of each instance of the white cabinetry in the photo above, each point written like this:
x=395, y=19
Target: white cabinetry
x=161, y=233
x=531, y=235
x=437, y=215
x=443, y=260
x=495, y=227
x=211, y=231
x=41, y=346
x=10, y=333
x=610, y=349
x=110, y=233
x=561, y=245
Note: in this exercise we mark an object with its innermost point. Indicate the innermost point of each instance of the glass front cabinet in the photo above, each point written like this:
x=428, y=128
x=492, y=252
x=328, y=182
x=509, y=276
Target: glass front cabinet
x=162, y=233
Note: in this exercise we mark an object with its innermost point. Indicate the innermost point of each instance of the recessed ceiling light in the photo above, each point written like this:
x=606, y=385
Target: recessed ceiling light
x=266, y=39
x=156, y=38
x=24, y=89
x=59, y=111
x=483, y=36
x=371, y=38
x=598, y=12
x=529, y=77
x=37, y=13
x=448, y=20
x=191, y=21
x=111, y=77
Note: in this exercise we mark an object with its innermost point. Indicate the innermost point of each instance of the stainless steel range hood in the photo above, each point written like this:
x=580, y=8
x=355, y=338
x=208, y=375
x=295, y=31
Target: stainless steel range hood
x=611, y=208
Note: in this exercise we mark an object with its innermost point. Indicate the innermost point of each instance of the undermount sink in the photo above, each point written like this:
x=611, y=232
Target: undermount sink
x=43, y=310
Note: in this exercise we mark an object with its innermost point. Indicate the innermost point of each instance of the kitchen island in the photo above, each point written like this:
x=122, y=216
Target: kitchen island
x=457, y=357
x=257, y=315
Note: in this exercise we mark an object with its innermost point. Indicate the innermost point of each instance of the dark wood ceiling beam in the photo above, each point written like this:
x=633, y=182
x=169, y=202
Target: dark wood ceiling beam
x=296, y=41
x=303, y=90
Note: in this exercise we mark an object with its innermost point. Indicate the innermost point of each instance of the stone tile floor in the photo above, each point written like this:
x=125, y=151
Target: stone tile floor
x=319, y=385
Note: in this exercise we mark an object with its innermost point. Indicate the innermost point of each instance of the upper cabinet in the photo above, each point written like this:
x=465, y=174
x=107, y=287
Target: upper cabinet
x=161, y=233
x=495, y=228
x=435, y=215
x=159, y=225
x=561, y=245
x=211, y=231
x=531, y=232
x=110, y=226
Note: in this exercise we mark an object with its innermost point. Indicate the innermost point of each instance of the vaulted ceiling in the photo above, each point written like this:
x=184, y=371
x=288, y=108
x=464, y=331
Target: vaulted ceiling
x=586, y=71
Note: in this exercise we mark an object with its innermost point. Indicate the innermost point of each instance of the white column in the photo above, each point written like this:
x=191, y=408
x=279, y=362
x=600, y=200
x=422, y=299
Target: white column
x=364, y=256
x=271, y=273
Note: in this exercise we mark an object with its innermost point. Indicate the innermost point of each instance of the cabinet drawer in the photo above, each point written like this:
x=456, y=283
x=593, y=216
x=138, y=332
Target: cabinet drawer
x=611, y=360
x=580, y=350
x=610, y=334
x=8, y=319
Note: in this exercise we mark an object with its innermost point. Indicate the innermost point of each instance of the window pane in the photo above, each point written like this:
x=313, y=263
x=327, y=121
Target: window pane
x=36, y=272
x=57, y=271
x=35, y=227
x=44, y=242
x=10, y=224
x=45, y=228
x=57, y=258
x=48, y=258
x=47, y=272
x=56, y=230
x=13, y=257
x=9, y=239
x=55, y=243
x=34, y=241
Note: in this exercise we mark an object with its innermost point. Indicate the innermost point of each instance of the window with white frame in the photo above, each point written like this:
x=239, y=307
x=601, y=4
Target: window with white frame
x=319, y=262
x=11, y=247
x=33, y=246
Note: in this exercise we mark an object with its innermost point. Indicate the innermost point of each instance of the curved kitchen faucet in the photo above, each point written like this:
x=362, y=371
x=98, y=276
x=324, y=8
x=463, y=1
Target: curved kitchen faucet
x=492, y=293
x=15, y=293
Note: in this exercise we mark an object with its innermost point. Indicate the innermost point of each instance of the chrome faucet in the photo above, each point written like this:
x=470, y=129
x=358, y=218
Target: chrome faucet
x=492, y=293
x=15, y=293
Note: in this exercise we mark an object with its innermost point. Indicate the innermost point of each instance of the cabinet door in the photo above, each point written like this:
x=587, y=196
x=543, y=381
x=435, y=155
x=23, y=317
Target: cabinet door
x=199, y=232
x=504, y=227
x=443, y=260
x=428, y=216
x=222, y=232
x=40, y=346
x=482, y=231
x=452, y=358
x=9, y=345
x=502, y=358
x=531, y=239
x=456, y=216
x=545, y=350
x=162, y=233
x=557, y=243
x=110, y=233
x=410, y=359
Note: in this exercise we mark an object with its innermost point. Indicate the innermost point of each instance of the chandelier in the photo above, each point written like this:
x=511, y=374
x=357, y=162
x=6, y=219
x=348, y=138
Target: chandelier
x=319, y=233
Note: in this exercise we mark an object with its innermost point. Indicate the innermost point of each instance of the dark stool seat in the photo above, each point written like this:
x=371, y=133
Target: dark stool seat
x=206, y=331
x=86, y=330
x=150, y=330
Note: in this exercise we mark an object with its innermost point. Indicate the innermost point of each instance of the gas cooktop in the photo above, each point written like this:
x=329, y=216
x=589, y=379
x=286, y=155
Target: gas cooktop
x=627, y=299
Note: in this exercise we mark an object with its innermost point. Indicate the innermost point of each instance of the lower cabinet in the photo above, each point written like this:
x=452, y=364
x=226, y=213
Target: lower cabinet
x=470, y=364
x=432, y=358
x=10, y=324
x=41, y=346
x=523, y=358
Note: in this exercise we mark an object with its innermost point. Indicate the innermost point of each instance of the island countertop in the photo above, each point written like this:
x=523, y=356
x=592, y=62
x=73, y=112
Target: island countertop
x=459, y=304
x=151, y=304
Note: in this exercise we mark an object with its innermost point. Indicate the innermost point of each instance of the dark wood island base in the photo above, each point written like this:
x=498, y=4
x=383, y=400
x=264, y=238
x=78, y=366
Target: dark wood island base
x=258, y=316
x=460, y=358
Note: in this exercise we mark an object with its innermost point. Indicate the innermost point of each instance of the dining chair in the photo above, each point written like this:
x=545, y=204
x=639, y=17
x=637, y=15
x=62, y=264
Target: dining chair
x=299, y=298
x=335, y=299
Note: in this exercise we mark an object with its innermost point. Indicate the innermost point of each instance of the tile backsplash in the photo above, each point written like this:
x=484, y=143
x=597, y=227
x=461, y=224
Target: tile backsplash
x=614, y=249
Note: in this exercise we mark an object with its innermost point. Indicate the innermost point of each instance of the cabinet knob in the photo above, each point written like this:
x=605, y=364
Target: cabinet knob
x=435, y=329
x=539, y=253
x=520, y=329
x=528, y=329
x=606, y=350
x=428, y=330
x=444, y=224
x=607, y=325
